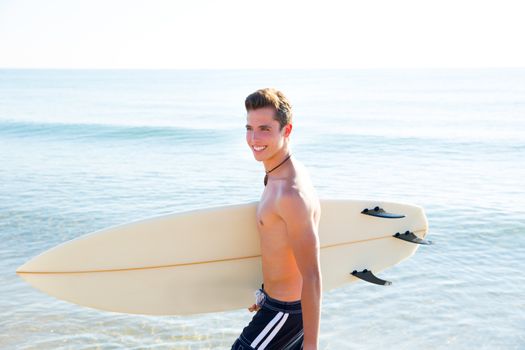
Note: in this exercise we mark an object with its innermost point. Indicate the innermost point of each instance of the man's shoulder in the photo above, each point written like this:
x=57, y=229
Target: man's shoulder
x=295, y=199
x=289, y=191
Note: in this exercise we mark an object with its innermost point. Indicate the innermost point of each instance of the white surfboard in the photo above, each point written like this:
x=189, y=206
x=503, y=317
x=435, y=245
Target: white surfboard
x=209, y=260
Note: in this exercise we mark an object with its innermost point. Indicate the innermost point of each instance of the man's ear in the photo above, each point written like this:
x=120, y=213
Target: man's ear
x=287, y=130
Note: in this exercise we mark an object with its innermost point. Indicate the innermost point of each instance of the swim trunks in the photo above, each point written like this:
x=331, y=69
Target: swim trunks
x=278, y=325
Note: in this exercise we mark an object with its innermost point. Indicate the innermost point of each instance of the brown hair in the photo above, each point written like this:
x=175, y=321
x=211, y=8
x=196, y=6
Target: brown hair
x=270, y=97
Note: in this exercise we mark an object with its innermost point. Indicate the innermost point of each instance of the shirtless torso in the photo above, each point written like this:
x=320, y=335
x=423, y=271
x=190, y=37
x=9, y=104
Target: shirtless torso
x=282, y=277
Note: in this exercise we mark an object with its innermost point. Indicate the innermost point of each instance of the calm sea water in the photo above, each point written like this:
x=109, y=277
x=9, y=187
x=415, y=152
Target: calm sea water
x=83, y=150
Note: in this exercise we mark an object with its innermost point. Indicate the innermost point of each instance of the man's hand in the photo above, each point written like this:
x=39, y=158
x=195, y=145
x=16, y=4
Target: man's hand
x=254, y=307
x=312, y=347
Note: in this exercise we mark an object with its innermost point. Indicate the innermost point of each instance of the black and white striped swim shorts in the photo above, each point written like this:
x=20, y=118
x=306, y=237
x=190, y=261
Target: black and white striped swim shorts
x=278, y=325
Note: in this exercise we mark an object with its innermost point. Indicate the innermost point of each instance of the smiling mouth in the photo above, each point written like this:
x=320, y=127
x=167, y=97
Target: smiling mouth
x=259, y=148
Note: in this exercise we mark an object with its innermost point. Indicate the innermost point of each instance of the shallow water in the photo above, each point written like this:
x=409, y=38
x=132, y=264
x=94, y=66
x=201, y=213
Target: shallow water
x=83, y=150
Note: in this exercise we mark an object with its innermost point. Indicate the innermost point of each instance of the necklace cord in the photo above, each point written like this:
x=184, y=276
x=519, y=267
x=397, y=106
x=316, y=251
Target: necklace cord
x=278, y=165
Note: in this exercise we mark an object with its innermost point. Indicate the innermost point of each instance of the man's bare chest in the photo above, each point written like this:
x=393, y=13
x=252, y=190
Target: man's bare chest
x=272, y=228
x=266, y=213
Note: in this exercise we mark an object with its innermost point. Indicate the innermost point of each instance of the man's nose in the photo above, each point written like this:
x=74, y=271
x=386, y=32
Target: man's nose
x=254, y=136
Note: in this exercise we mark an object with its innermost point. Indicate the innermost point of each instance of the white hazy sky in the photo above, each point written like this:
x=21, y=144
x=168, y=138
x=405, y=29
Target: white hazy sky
x=261, y=34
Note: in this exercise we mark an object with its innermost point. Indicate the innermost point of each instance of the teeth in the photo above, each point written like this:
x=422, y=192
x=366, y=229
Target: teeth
x=259, y=148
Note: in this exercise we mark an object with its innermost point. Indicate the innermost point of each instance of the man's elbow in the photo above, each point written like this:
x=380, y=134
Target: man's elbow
x=312, y=277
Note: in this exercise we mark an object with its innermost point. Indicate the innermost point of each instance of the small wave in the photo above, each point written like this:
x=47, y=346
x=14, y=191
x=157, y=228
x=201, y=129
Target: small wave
x=85, y=131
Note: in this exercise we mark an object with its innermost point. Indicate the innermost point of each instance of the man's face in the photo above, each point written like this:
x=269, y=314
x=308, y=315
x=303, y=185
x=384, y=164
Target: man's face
x=263, y=133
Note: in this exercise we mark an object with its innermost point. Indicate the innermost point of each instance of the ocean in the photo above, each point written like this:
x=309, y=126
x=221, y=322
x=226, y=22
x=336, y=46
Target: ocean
x=81, y=150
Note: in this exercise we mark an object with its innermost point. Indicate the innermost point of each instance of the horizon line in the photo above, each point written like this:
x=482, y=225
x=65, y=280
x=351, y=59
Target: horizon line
x=265, y=68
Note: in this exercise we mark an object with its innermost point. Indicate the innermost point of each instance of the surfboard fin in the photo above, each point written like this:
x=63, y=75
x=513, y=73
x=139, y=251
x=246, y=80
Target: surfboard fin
x=381, y=213
x=412, y=238
x=368, y=276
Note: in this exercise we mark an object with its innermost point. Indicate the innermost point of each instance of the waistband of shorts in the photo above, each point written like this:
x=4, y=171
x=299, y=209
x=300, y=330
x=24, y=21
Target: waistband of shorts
x=279, y=305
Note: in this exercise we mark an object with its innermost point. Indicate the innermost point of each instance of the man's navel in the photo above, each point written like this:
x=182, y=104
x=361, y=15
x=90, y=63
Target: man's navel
x=261, y=222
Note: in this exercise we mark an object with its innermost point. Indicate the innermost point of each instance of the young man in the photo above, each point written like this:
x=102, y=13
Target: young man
x=288, y=304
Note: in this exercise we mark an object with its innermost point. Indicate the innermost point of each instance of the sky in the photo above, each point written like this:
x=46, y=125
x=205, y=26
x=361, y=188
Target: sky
x=263, y=34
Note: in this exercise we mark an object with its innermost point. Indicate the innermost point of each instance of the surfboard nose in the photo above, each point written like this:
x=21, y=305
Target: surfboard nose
x=37, y=264
x=21, y=269
x=26, y=267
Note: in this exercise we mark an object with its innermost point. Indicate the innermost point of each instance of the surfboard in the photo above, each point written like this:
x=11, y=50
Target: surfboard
x=209, y=260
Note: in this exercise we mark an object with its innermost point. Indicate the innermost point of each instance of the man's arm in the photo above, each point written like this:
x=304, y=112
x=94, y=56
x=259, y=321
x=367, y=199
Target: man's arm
x=302, y=233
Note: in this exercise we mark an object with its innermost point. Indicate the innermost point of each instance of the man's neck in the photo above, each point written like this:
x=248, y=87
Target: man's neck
x=277, y=159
